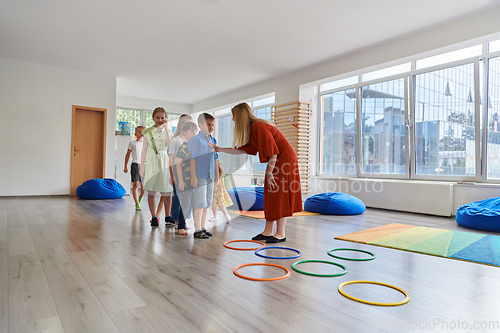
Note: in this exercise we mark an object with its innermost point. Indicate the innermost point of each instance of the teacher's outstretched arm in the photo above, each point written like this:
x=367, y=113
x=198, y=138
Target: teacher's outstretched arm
x=232, y=151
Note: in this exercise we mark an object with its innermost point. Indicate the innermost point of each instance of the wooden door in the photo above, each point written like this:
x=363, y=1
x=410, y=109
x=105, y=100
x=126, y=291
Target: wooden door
x=88, y=145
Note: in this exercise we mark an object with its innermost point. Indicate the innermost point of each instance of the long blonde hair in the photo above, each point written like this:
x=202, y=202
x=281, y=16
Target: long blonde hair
x=243, y=117
x=182, y=119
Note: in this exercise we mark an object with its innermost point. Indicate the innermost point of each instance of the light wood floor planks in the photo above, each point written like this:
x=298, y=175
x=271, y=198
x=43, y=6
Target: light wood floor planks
x=70, y=265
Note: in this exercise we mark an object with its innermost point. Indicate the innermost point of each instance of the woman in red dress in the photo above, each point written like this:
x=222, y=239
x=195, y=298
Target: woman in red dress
x=282, y=194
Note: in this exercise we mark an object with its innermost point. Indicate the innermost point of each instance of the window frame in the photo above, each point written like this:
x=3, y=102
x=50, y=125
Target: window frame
x=359, y=165
x=486, y=92
x=478, y=142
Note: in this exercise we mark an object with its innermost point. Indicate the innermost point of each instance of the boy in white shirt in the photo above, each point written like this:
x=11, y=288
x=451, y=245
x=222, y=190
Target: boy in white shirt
x=135, y=149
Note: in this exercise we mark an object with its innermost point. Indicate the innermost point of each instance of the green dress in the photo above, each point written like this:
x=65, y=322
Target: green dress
x=157, y=175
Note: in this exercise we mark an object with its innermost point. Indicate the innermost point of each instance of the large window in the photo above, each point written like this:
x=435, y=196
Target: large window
x=445, y=122
x=383, y=128
x=418, y=120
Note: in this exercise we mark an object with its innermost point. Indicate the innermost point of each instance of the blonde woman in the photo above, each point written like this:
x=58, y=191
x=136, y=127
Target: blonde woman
x=282, y=194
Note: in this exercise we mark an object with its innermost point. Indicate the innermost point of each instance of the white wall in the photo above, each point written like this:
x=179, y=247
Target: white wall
x=150, y=104
x=36, y=111
x=287, y=87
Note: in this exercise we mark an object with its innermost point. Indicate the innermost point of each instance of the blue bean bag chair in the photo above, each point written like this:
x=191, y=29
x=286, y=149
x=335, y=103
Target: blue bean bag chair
x=334, y=203
x=480, y=215
x=96, y=189
x=247, y=198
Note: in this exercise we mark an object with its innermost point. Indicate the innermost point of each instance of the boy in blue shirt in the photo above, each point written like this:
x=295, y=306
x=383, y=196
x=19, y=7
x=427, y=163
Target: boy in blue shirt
x=203, y=172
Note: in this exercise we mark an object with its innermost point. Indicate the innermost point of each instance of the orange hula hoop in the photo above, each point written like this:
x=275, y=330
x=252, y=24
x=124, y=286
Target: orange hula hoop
x=235, y=271
x=244, y=249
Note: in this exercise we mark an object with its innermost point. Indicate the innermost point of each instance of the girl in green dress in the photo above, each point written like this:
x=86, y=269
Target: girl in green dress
x=154, y=163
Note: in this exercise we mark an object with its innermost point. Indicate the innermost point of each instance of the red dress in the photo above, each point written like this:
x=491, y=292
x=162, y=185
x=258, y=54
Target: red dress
x=287, y=198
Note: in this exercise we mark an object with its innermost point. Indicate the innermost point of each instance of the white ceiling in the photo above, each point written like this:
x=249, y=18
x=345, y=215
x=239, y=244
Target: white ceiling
x=189, y=50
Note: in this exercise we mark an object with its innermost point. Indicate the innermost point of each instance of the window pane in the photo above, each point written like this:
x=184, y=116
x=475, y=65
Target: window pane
x=493, y=147
x=263, y=113
x=387, y=72
x=223, y=134
x=339, y=83
x=383, y=128
x=449, y=57
x=133, y=117
x=444, y=122
x=264, y=101
x=494, y=46
x=338, y=145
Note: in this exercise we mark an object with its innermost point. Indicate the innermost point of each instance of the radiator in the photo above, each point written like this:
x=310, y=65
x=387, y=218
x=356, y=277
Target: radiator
x=435, y=198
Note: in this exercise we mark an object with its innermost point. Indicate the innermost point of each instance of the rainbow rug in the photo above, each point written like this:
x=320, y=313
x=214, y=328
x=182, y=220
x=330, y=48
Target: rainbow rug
x=468, y=246
x=259, y=214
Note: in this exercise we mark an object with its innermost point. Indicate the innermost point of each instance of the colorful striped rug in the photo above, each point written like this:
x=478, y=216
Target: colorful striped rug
x=468, y=246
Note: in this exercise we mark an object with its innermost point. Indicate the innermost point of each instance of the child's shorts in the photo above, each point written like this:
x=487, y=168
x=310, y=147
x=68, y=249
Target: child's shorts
x=135, y=172
x=203, y=193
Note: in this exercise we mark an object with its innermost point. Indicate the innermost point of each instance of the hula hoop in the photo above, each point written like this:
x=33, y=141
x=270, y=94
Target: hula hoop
x=315, y=274
x=243, y=249
x=352, y=259
x=277, y=247
x=235, y=271
x=406, y=300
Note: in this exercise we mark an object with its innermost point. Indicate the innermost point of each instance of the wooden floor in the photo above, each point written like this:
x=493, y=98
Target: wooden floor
x=69, y=265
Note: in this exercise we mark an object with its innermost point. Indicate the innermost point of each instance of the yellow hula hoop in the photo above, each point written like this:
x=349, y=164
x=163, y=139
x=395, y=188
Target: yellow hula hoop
x=343, y=293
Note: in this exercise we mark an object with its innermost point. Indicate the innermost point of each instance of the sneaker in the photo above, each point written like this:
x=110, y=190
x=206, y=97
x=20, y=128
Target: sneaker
x=138, y=207
x=169, y=221
x=154, y=222
x=206, y=232
x=200, y=234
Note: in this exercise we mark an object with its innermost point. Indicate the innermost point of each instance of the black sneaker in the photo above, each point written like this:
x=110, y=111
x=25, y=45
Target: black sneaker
x=154, y=222
x=206, y=232
x=169, y=221
x=200, y=234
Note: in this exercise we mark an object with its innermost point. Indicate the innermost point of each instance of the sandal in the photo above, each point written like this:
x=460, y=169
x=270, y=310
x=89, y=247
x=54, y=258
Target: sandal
x=200, y=234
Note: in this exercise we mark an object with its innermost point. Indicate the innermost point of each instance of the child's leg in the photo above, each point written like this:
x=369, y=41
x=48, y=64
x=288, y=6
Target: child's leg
x=135, y=190
x=226, y=215
x=223, y=209
x=167, y=202
x=176, y=205
x=160, y=206
x=215, y=217
x=152, y=203
x=204, y=215
x=185, y=199
x=197, y=214
x=142, y=191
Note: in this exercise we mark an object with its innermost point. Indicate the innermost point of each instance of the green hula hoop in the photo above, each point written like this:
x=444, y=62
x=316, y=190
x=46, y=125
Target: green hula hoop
x=352, y=259
x=315, y=274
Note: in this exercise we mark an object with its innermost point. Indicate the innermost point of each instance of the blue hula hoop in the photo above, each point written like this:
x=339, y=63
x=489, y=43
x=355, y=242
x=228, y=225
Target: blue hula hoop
x=277, y=247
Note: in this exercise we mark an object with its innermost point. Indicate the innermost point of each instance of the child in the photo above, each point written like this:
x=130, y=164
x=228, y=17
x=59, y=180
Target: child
x=203, y=172
x=135, y=148
x=156, y=171
x=183, y=175
x=175, y=143
x=221, y=199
